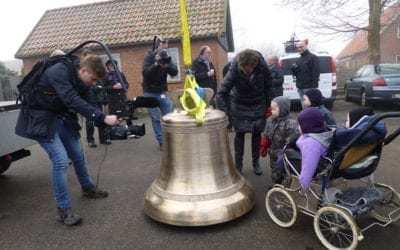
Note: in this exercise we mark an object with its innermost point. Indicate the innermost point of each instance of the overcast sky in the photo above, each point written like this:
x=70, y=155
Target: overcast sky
x=255, y=22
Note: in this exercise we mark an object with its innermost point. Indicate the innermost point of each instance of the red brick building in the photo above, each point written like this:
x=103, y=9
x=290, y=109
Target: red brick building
x=355, y=54
x=127, y=28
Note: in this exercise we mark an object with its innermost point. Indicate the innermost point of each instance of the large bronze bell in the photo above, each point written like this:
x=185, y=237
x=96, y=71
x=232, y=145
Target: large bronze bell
x=198, y=183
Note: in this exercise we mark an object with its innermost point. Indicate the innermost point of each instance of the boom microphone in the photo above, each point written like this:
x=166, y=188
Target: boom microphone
x=142, y=101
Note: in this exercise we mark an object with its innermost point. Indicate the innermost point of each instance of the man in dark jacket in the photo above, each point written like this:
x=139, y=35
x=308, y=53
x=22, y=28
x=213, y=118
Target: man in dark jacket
x=204, y=71
x=249, y=83
x=306, y=69
x=53, y=122
x=157, y=66
x=277, y=76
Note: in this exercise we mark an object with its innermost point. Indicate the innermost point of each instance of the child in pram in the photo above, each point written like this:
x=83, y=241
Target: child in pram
x=317, y=142
x=351, y=154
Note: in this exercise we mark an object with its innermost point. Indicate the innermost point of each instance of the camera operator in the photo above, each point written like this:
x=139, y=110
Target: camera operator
x=157, y=66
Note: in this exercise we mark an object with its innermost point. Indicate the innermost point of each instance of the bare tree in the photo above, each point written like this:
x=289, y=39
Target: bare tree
x=344, y=17
x=270, y=49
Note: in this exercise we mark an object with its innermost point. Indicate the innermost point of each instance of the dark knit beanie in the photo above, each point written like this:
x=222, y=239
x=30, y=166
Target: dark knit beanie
x=315, y=97
x=311, y=120
x=356, y=114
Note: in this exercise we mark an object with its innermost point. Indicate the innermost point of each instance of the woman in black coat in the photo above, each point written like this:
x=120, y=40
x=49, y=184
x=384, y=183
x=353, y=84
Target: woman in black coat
x=249, y=84
x=116, y=95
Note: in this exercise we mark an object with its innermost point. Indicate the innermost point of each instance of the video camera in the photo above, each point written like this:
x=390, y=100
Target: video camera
x=290, y=46
x=165, y=58
x=121, y=132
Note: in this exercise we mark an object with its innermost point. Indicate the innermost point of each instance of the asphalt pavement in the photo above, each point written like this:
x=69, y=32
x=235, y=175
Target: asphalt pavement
x=126, y=169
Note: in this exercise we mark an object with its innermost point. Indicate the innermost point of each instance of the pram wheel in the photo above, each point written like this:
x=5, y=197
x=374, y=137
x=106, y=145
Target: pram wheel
x=390, y=202
x=335, y=228
x=281, y=207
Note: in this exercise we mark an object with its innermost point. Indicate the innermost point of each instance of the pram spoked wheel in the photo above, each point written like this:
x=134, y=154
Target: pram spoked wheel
x=281, y=207
x=336, y=229
x=390, y=202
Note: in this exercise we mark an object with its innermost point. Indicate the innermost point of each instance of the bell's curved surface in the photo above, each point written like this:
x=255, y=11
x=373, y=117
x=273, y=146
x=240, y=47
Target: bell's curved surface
x=198, y=183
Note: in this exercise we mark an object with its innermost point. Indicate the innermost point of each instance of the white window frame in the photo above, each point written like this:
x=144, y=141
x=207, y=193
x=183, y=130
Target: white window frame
x=174, y=53
x=398, y=31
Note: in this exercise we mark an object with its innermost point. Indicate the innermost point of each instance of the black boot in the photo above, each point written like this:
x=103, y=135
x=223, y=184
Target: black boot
x=239, y=162
x=239, y=150
x=256, y=168
x=255, y=153
x=276, y=176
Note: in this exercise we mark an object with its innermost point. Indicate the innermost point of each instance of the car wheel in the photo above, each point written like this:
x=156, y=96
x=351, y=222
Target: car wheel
x=363, y=99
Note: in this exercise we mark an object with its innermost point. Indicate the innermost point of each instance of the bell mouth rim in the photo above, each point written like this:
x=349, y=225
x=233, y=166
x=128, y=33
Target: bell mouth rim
x=189, y=213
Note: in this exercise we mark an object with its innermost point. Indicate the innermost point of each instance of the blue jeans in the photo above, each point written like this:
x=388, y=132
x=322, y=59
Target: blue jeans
x=165, y=107
x=65, y=146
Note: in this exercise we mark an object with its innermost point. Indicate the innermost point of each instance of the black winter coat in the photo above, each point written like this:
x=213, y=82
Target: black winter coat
x=277, y=80
x=58, y=97
x=250, y=96
x=155, y=77
x=307, y=71
x=115, y=97
x=200, y=70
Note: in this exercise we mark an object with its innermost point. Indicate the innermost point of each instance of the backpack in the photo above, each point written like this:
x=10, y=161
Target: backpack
x=29, y=84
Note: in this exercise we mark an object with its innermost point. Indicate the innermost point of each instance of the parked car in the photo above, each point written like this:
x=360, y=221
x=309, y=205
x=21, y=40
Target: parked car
x=327, y=77
x=374, y=83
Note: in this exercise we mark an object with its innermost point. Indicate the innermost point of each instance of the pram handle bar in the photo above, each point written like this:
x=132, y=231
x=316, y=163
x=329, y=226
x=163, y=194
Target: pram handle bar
x=364, y=131
x=391, y=137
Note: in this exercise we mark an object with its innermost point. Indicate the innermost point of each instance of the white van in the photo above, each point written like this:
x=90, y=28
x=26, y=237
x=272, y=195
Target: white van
x=327, y=77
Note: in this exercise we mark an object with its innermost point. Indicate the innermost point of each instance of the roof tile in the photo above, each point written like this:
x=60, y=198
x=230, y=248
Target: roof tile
x=118, y=22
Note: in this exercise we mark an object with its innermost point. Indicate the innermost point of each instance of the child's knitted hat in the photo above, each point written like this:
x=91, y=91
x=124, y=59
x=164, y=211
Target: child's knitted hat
x=311, y=120
x=315, y=97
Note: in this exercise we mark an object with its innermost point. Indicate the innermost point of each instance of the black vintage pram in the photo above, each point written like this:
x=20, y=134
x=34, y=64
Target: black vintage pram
x=342, y=191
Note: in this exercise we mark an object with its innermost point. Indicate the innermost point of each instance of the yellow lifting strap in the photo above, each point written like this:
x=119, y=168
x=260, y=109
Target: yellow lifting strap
x=192, y=99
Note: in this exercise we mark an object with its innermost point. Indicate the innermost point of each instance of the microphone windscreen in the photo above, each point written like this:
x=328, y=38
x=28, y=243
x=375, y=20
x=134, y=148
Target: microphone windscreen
x=145, y=102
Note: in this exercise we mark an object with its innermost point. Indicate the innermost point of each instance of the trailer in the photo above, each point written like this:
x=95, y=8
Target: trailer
x=12, y=146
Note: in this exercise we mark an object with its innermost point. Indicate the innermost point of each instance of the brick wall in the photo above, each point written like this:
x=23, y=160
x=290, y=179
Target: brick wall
x=390, y=47
x=390, y=43
x=132, y=59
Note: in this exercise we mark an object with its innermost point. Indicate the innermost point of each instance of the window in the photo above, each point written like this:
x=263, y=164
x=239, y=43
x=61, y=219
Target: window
x=398, y=31
x=116, y=57
x=174, y=53
x=397, y=58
